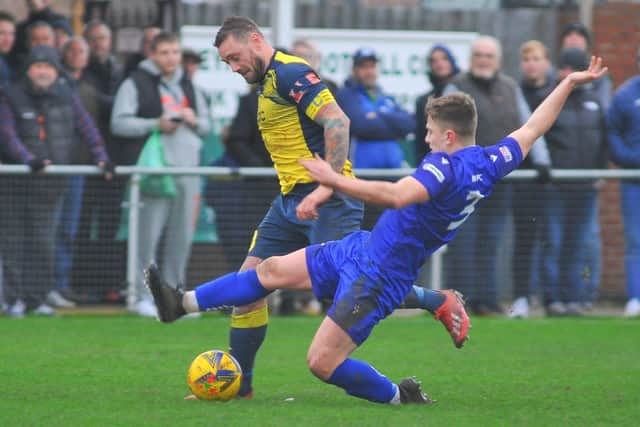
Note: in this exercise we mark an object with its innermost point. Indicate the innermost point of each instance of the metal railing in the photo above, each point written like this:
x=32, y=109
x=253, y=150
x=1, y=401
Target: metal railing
x=135, y=172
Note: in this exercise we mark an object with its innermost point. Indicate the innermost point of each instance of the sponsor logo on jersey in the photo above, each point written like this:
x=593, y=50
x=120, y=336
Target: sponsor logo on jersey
x=506, y=153
x=312, y=77
x=296, y=95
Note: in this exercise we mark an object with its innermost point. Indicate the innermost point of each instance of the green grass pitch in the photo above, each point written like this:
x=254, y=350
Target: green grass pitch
x=127, y=371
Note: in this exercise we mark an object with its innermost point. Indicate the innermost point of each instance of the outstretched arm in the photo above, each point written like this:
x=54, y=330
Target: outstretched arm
x=547, y=112
x=397, y=194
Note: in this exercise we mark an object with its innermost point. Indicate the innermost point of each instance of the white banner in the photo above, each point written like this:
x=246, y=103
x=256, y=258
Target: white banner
x=402, y=66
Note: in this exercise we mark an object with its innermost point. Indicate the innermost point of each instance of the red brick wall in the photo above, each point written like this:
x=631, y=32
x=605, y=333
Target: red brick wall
x=616, y=30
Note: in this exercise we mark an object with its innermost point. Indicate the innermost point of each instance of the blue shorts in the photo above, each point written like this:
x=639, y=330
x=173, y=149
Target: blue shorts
x=362, y=294
x=281, y=232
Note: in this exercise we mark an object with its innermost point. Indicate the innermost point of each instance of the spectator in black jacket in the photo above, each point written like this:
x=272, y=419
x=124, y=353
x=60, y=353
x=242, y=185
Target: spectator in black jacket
x=576, y=141
x=576, y=35
x=33, y=132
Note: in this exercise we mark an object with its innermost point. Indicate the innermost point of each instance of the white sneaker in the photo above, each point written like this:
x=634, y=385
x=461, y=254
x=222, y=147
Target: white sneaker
x=519, y=309
x=574, y=309
x=55, y=299
x=17, y=310
x=556, y=308
x=194, y=315
x=632, y=309
x=44, y=310
x=146, y=308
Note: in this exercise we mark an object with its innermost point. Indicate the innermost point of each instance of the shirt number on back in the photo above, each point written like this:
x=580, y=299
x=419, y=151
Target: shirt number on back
x=473, y=196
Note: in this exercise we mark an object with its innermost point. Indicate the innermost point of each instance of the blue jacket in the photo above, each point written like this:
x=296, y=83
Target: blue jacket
x=390, y=122
x=623, y=124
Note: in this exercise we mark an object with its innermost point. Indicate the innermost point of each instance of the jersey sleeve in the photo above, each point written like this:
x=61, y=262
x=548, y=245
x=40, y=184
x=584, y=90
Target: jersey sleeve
x=435, y=173
x=505, y=155
x=298, y=83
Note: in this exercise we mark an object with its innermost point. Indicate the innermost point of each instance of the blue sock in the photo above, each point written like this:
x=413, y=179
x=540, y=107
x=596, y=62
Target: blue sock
x=244, y=343
x=361, y=380
x=426, y=299
x=429, y=300
x=231, y=289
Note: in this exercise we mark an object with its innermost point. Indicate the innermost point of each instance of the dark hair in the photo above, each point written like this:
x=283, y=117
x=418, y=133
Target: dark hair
x=576, y=27
x=237, y=26
x=7, y=17
x=164, y=37
x=456, y=111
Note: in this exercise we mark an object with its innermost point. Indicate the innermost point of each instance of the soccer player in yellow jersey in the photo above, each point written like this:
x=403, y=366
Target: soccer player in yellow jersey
x=297, y=117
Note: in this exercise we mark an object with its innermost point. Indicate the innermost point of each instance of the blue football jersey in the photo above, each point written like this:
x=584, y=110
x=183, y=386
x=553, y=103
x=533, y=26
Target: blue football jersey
x=403, y=238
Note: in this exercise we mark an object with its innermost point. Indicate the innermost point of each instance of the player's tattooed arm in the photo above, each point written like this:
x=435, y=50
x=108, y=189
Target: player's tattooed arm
x=336, y=134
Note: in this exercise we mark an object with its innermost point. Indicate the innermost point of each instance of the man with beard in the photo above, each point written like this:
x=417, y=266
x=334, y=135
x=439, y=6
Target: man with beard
x=298, y=117
x=42, y=122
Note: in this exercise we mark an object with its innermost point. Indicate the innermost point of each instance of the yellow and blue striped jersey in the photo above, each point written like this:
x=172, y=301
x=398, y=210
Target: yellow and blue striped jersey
x=291, y=94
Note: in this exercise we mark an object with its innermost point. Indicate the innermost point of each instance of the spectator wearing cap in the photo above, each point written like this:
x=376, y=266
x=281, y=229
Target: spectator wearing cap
x=442, y=66
x=42, y=122
x=7, y=39
x=501, y=109
x=623, y=123
x=377, y=121
x=576, y=35
x=577, y=140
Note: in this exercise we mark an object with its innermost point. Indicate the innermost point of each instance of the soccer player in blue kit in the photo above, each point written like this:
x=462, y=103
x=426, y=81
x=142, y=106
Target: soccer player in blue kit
x=369, y=274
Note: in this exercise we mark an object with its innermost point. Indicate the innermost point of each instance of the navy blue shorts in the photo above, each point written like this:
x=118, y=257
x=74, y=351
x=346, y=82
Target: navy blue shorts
x=281, y=232
x=362, y=294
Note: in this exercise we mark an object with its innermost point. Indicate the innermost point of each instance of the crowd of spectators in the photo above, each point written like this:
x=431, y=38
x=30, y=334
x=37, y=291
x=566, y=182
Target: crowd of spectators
x=67, y=98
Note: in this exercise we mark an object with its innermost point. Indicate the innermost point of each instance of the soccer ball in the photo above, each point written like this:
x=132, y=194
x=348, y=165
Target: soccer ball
x=214, y=375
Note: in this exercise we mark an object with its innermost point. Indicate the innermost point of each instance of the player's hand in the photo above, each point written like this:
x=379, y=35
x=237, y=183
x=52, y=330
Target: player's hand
x=308, y=207
x=594, y=72
x=189, y=117
x=320, y=170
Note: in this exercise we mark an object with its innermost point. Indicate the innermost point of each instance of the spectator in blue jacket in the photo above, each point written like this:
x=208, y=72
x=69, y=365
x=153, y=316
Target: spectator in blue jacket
x=623, y=123
x=377, y=121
